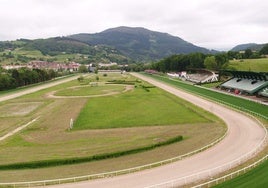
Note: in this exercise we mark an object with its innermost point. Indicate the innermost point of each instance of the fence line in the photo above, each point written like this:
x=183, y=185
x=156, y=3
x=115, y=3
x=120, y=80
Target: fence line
x=233, y=174
x=208, y=174
x=113, y=173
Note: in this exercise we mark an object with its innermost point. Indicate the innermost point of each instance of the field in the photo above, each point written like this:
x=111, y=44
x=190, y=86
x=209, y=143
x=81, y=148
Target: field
x=131, y=118
x=254, y=65
x=36, y=54
x=255, y=178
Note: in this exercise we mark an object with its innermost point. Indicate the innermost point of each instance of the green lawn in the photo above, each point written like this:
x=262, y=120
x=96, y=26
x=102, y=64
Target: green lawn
x=256, y=178
x=28, y=53
x=254, y=65
x=137, y=108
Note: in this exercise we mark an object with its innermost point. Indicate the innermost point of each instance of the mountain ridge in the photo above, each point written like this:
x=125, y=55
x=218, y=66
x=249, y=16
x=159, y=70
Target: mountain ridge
x=251, y=46
x=121, y=44
x=140, y=43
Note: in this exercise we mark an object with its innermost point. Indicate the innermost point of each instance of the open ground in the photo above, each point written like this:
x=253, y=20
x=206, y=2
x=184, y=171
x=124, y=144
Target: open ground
x=49, y=137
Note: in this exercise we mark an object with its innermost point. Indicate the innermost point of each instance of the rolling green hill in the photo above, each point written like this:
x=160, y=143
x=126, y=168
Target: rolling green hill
x=59, y=49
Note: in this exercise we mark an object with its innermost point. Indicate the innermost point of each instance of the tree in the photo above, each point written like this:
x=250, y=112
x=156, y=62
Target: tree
x=80, y=79
x=210, y=63
x=196, y=60
x=264, y=50
x=222, y=61
x=233, y=55
x=248, y=53
x=7, y=82
x=82, y=69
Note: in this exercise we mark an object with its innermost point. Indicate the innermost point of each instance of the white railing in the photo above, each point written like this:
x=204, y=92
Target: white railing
x=110, y=174
x=208, y=174
x=232, y=175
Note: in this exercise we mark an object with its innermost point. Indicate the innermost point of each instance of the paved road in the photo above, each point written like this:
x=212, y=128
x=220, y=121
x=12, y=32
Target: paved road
x=244, y=134
x=37, y=88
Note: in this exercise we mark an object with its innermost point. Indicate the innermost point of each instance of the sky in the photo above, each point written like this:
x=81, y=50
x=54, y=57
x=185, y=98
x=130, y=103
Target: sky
x=214, y=24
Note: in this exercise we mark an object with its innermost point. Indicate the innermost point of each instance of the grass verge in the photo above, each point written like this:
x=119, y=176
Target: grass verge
x=255, y=178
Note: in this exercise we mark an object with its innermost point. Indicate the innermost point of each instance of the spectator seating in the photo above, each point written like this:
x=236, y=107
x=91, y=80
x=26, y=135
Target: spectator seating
x=246, y=82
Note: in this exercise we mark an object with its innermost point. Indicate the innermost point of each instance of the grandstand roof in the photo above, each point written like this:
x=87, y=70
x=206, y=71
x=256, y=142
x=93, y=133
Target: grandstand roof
x=250, y=75
x=250, y=82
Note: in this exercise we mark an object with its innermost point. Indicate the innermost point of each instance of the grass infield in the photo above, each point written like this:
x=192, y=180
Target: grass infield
x=144, y=106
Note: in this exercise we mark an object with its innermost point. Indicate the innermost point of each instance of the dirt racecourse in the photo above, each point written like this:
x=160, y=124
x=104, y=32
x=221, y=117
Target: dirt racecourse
x=244, y=136
x=34, y=89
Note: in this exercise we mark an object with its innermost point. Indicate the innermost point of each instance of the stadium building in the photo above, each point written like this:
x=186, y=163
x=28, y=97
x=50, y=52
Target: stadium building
x=247, y=83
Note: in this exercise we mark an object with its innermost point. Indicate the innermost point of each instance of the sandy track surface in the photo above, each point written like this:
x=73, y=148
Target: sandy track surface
x=244, y=136
x=52, y=94
x=34, y=89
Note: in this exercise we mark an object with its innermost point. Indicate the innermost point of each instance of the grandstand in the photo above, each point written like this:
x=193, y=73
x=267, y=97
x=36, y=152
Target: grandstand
x=249, y=83
x=202, y=76
x=199, y=76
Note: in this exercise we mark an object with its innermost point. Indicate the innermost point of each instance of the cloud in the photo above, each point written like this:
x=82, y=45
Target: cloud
x=208, y=23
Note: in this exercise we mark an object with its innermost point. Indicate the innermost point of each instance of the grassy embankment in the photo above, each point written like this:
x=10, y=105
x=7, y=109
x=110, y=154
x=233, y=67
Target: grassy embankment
x=254, y=65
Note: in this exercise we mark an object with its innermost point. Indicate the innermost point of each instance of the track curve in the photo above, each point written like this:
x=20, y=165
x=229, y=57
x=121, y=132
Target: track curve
x=244, y=135
x=14, y=95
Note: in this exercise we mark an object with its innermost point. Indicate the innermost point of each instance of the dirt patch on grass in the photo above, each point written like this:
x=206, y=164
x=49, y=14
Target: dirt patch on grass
x=106, y=93
x=18, y=109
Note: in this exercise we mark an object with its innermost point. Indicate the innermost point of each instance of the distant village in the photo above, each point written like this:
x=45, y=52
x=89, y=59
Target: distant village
x=59, y=67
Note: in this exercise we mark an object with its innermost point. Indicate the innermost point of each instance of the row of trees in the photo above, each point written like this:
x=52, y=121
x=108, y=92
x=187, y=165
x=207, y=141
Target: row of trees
x=16, y=78
x=247, y=54
x=183, y=62
x=216, y=62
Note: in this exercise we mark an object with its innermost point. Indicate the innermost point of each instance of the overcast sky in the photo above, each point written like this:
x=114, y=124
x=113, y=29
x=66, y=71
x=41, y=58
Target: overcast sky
x=217, y=24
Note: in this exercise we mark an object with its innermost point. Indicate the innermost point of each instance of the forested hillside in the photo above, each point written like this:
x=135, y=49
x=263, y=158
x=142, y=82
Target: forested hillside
x=141, y=44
